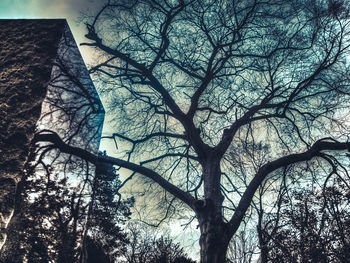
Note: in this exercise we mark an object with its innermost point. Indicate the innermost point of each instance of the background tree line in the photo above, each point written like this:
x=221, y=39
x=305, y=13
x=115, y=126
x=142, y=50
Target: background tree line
x=61, y=222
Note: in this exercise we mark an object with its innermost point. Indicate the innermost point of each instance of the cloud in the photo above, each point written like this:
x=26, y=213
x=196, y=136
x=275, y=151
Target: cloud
x=14, y=8
x=60, y=8
x=69, y=9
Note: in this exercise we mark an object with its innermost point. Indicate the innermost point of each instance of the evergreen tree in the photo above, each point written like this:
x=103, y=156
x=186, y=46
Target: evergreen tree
x=61, y=222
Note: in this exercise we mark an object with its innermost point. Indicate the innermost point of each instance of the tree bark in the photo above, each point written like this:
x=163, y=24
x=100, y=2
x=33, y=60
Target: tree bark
x=263, y=251
x=215, y=233
x=214, y=239
x=262, y=239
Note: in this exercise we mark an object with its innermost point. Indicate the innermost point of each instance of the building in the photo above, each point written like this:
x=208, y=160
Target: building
x=44, y=85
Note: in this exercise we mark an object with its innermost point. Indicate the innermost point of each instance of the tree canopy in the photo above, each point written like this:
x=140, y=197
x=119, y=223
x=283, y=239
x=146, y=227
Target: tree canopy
x=211, y=98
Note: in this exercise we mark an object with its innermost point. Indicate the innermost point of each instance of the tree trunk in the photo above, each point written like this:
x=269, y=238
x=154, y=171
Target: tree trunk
x=262, y=240
x=215, y=234
x=214, y=240
x=263, y=254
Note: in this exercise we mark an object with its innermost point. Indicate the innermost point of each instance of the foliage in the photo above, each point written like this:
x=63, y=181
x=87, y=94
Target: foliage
x=108, y=214
x=58, y=222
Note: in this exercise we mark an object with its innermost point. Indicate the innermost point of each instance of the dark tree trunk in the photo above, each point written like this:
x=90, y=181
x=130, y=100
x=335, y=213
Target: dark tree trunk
x=214, y=240
x=215, y=233
x=262, y=241
x=263, y=254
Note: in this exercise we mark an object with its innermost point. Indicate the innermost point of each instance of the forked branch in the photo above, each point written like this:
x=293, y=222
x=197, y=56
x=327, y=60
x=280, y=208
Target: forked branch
x=57, y=142
x=315, y=150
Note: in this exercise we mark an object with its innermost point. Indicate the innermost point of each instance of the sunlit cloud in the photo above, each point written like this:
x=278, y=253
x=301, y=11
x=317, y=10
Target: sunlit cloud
x=45, y=8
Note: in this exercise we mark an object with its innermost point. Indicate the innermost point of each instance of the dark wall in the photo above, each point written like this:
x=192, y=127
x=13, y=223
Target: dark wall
x=27, y=51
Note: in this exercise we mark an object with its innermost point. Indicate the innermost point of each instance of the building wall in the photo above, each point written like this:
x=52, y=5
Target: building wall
x=27, y=51
x=72, y=107
x=44, y=85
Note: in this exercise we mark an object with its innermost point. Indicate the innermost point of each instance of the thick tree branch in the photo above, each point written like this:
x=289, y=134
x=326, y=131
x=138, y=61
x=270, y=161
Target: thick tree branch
x=57, y=142
x=248, y=117
x=148, y=137
x=191, y=131
x=141, y=67
x=325, y=144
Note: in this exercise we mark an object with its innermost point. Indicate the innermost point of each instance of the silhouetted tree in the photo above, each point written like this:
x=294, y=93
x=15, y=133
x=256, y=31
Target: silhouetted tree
x=95, y=252
x=313, y=226
x=146, y=246
x=243, y=247
x=196, y=86
x=108, y=213
x=64, y=223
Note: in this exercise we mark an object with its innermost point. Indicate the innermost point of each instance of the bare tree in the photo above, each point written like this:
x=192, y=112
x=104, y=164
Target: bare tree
x=147, y=246
x=312, y=226
x=243, y=247
x=197, y=87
